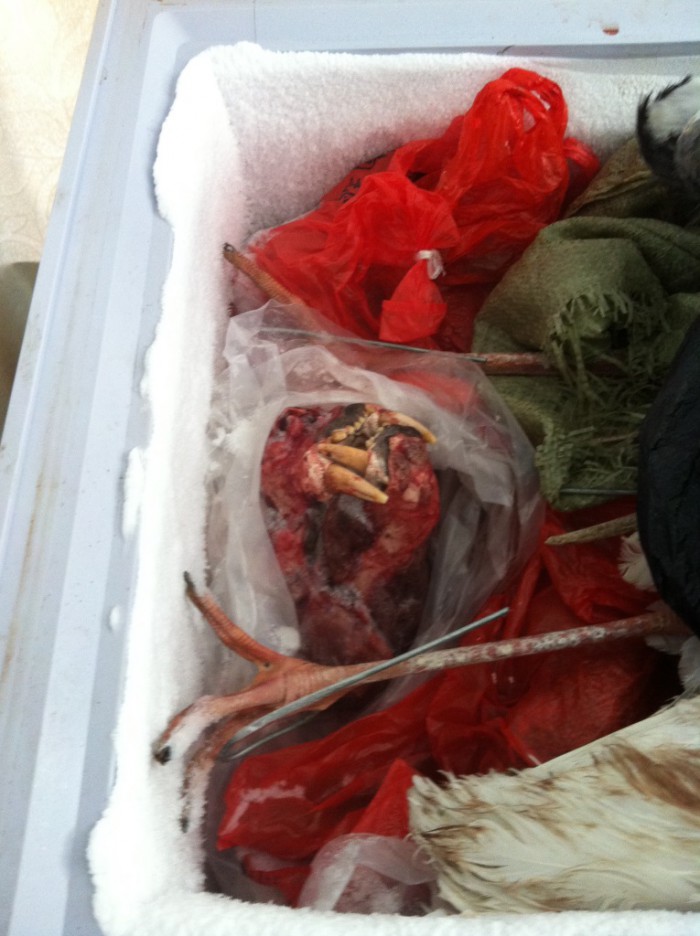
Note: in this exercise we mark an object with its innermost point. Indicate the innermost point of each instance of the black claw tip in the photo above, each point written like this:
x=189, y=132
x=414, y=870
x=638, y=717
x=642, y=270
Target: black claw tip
x=163, y=755
x=189, y=584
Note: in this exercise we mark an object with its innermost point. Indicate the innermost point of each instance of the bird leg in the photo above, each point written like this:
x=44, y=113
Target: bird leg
x=619, y=526
x=266, y=283
x=280, y=679
x=209, y=723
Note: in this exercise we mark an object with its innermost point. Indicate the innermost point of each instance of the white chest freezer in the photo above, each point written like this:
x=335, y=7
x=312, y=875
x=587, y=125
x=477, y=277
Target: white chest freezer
x=79, y=442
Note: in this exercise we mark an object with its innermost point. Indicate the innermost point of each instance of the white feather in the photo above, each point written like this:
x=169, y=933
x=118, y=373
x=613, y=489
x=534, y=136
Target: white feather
x=669, y=115
x=633, y=565
x=613, y=825
x=689, y=666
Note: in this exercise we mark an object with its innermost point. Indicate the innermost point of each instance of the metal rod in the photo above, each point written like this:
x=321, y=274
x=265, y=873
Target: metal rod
x=355, y=680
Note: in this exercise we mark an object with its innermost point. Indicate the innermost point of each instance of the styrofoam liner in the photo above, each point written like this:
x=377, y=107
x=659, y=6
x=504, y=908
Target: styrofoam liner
x=254, y=138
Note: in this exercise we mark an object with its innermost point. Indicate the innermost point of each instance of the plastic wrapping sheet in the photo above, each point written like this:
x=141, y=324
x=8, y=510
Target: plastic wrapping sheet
x=369, y=874
x=489, y=489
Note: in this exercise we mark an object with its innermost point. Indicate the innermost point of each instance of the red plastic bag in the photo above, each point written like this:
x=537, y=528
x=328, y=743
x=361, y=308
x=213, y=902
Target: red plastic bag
x=345, y=259
x=507, y=715
x=291, y=802
x=370, y=257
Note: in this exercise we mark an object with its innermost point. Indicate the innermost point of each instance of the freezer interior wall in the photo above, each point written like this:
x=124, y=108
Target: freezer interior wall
x=255, y=138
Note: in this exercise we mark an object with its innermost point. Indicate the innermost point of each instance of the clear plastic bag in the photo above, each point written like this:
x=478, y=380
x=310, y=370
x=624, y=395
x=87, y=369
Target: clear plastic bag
x=281, y=356
x=363, y=873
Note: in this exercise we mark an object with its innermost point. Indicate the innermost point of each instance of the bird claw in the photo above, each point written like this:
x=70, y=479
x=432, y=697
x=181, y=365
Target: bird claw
x=352, y=459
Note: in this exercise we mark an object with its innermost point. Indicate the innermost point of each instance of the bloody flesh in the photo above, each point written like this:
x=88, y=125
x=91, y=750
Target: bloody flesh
x=358, y=571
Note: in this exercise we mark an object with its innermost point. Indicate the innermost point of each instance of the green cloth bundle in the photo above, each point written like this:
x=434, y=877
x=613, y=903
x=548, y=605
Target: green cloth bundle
x=593, y=293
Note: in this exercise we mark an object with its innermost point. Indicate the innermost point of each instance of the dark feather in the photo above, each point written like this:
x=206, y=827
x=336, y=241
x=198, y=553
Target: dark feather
x=668, y=133
x=658, y=152
x=669, y=484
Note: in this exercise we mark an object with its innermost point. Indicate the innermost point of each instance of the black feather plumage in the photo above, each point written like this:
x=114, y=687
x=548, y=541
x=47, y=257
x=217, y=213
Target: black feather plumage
x=668, y=133
x=668, y=502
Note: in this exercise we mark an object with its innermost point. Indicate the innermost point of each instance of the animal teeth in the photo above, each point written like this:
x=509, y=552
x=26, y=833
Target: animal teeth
x=342, y=480
x=347, y=455
x=400, y=419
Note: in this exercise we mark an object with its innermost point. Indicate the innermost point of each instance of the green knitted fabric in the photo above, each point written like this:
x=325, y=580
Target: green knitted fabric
x=621, y=291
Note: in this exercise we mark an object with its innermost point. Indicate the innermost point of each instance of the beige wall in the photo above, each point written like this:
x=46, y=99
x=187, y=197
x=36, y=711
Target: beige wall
x=43, y=44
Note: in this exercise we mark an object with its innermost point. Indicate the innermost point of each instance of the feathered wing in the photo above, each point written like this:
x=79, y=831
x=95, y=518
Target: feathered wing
x=613, y=825
x=662, y=120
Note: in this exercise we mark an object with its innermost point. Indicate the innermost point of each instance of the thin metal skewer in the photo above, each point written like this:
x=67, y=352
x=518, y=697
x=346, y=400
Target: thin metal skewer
x=350, y=682
x=504, y=364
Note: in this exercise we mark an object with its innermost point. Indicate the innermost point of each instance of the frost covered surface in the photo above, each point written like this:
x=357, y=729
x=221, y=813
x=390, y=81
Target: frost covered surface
x=255, y=138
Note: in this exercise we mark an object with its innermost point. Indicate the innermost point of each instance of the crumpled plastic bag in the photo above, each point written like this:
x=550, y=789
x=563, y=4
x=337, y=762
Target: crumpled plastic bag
x=363, y=873
x=490, y=503
x=371, y=256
